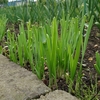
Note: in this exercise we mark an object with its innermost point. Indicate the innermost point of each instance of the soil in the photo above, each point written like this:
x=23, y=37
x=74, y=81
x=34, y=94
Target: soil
x=88, y=71
x=89, y=59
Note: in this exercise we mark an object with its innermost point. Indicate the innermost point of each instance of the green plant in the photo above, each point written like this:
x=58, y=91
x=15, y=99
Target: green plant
x=92, y=8
x=27, y=47
x=3, y=1
x=85, y=40
x=97, y=65
x=62, y=51
x=3, y=21
x=39, y=42
x=52, y=52
x=21, y=47
x=44, y=11
x=12, y=46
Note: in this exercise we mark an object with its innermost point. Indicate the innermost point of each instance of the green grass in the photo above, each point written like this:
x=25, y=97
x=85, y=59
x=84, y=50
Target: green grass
x=51, y=35
x=3, y=21
x=97, y=65
x=61, y=52
x=43, y=12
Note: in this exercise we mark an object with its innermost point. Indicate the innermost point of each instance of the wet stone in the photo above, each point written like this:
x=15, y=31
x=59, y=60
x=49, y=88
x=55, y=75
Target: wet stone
x=17, y=83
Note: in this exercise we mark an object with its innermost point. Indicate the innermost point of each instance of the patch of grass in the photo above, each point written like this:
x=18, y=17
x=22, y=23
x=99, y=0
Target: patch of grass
x=55, y=40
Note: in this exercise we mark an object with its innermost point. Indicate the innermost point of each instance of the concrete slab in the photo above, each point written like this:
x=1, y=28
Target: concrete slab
x=57, y=95
x=16, y=83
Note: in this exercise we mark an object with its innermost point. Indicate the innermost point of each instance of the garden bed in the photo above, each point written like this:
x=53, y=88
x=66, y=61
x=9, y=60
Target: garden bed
x=90, y=77
x=89, y=73
x=50, y=39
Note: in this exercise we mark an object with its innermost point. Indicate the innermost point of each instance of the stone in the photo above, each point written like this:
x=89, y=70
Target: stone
x=57, y=95
x=17, y=83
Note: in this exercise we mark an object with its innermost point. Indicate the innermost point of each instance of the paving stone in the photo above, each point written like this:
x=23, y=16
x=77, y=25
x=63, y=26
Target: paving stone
x=57, y=95
x=17, y=83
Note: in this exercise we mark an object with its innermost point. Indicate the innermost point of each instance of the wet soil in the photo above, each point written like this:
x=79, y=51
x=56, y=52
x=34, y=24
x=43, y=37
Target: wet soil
x=89, y=59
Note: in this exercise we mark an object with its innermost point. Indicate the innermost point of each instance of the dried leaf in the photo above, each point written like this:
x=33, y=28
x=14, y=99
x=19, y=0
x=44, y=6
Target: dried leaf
x=90, y=59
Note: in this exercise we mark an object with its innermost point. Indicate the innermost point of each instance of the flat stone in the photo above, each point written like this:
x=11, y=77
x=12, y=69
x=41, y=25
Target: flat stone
x=57, y=95
x=17, y=83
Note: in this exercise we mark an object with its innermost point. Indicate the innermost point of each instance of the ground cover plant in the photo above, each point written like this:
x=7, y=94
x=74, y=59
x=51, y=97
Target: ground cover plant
x=97, y=65
x=3, y=21
x=43, y=11
x=51, y=41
